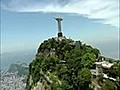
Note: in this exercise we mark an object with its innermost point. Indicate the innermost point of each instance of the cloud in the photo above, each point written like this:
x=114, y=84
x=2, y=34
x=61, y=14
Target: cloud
x=103, y=11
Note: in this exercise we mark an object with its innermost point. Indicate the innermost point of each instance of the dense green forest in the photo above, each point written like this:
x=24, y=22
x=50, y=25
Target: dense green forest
x=63, y=65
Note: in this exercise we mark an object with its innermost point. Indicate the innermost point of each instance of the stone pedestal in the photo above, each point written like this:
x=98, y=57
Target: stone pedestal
x=60, y=34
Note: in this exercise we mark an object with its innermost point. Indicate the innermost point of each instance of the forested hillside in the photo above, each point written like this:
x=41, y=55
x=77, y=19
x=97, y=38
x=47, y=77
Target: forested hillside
x=62, y=65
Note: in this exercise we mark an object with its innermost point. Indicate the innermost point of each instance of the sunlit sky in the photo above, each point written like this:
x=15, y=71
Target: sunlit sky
x=27, y=23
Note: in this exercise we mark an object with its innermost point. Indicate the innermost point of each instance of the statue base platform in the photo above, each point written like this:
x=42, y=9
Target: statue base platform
x=60, y=34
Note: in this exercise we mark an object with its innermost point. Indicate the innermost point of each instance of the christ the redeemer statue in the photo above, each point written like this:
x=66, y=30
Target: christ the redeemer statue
x=59, y=19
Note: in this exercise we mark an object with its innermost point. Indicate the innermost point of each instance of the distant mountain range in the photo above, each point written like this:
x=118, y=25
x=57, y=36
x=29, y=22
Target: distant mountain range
x=16, y=57
x=20, y=68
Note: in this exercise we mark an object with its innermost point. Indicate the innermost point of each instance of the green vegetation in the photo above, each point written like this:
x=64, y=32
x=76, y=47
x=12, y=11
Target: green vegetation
x=114, y=71
x=63, y=65
x=109, y=85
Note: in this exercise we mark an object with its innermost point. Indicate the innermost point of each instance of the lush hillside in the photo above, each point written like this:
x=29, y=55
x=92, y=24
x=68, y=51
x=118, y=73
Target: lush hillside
x=62, y=64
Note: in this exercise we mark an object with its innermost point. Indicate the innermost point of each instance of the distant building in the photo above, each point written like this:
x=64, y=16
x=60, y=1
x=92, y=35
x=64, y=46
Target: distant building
x=101, y=65
x=101, y=68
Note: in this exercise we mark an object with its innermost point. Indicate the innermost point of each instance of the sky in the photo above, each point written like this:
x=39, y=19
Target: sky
x=27, y=23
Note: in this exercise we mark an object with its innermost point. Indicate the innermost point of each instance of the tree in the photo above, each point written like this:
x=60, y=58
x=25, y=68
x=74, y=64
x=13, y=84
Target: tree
x=84, y=78
x=109, y=85
x=88, y=60
x=115, y=70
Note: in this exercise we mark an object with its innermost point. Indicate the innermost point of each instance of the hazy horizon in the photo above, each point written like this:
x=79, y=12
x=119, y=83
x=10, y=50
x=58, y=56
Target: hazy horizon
x=26, y=24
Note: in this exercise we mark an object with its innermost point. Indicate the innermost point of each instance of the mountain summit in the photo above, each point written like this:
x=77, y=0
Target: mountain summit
x=61, y=64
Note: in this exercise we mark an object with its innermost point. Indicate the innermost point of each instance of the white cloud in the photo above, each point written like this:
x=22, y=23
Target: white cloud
x=107, y=11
